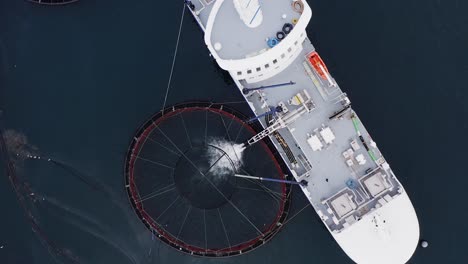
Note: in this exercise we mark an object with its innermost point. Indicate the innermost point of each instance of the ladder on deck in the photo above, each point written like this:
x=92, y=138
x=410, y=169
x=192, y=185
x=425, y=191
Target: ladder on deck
x=267, y=131
x=278, y=124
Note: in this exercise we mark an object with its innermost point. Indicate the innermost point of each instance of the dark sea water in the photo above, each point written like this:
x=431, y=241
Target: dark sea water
x=78, y=80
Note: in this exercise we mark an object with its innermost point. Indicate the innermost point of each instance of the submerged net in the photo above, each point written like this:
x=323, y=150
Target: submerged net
x=180, y=178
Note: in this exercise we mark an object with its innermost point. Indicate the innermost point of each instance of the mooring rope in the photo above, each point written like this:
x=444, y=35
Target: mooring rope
x=296, y=214
x=174, y=58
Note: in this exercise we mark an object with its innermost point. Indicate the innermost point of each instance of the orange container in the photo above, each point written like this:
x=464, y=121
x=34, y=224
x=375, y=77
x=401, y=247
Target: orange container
x=316, y=62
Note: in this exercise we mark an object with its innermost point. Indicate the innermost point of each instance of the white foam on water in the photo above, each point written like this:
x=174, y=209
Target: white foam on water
x=224, y=166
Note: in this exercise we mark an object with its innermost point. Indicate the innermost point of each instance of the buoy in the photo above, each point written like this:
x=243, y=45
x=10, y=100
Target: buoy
x=287, y=28
x=280, y=35
x=424, y=244
x=298, y=6
x=272, y=42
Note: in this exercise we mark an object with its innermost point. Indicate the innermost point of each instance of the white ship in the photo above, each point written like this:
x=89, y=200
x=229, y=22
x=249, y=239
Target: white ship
x=264, y=46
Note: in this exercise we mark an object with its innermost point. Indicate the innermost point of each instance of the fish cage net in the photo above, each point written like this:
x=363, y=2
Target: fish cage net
x=52, y=2
x=180, y=176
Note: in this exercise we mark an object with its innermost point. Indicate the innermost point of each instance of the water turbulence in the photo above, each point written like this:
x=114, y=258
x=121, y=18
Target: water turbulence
x=15, y=150
x=225, y=156
x=54, y=219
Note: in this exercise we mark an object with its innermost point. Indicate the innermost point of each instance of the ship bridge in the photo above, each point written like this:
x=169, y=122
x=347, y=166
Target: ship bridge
x=256, y=39
x=232, y=35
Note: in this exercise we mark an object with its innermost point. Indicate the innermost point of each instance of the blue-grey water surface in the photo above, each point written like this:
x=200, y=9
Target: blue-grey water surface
x=79, y=79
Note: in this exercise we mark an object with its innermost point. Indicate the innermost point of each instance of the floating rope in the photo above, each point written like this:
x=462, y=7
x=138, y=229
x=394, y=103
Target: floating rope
x=174, y=58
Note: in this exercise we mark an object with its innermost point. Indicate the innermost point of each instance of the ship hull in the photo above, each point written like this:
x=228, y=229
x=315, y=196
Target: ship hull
x=389, y=232
x=388, y=236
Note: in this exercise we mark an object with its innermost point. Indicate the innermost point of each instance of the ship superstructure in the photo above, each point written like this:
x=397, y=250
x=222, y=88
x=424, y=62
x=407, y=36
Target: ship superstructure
x=264, y=45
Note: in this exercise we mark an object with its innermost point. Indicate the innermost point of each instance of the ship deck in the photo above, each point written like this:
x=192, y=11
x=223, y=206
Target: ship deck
x=345, y=181
x=326, y=171
x=202, y=9
x=237, y=40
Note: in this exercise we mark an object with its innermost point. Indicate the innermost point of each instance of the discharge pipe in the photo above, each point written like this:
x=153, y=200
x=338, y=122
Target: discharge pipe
x=273, y=111
x=302, y=183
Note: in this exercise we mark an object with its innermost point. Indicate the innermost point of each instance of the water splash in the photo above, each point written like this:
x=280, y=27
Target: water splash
x=224, y=164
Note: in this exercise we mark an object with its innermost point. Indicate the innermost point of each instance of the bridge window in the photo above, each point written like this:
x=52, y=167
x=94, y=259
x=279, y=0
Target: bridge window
x=259, y=69
x=249, y=71
x=267, y=66
x=275, y=61
x=239, y=73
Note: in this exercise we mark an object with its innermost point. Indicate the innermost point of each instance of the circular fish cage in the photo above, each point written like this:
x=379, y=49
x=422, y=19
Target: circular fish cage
x=52, y=2
x=180, y=176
